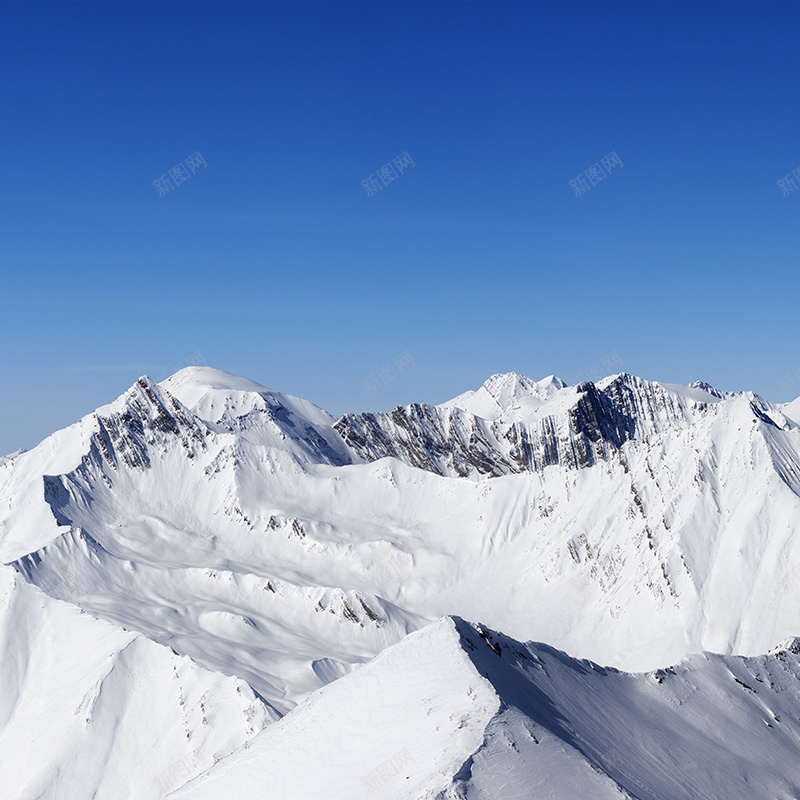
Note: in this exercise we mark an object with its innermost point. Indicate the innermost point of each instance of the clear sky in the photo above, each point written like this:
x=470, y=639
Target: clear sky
x=273, y=262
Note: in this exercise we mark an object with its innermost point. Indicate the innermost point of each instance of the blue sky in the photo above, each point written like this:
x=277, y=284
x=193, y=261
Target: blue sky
x=274, y=263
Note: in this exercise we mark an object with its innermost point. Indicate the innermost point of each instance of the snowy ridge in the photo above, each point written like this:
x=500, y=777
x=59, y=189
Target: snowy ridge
x=527, y=426
x=95, y=711
x=228, y=404
x=459, y=711
x=267, y=631
x=11, y=456
x=121, y=435
x=505, y=394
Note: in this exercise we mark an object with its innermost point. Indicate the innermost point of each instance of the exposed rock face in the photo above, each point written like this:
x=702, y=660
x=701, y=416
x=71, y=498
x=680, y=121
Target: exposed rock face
x=149, y=418
x=445, y=441
x=577, y=428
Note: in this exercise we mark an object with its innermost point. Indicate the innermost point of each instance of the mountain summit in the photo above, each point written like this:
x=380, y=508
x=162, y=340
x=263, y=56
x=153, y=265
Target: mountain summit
x=507, y=393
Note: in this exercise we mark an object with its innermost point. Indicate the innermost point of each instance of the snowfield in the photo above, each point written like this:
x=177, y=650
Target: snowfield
x=208, y=578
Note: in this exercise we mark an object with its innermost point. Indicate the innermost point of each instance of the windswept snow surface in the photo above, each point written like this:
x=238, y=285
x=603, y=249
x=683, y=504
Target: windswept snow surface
x=251, y=535
x=458, y=711
x=89, y=710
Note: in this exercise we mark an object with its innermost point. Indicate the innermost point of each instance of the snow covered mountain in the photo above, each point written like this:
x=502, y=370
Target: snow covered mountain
x=88, y=709
x=259, y=546
x=458, y=711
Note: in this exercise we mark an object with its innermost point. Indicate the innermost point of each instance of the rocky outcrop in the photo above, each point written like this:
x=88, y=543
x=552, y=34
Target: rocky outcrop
x=591, y=427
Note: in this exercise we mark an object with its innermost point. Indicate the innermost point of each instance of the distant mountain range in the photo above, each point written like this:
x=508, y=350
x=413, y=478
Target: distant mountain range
x=209, y=575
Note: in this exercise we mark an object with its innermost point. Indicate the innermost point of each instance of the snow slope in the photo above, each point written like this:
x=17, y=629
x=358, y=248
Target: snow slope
x=88, y=710
x=458, y=711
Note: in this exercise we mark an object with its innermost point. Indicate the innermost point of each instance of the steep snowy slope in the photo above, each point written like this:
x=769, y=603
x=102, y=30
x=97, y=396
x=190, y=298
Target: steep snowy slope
x=89, y=711
x=792, y=410
x=458, y=711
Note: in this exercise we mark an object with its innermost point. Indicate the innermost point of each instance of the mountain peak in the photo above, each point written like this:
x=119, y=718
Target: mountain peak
x=209, y=378
x=512, y=385
x=790, y=645
x=506, y=391
x=706, y=387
